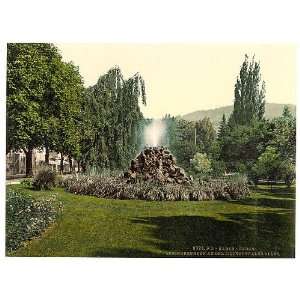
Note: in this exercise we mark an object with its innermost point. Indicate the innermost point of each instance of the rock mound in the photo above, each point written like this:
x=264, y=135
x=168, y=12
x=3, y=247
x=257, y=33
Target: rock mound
x=156, y=164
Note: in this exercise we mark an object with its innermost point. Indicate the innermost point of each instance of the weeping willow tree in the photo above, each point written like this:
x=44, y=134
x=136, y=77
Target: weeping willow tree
x=112, y=118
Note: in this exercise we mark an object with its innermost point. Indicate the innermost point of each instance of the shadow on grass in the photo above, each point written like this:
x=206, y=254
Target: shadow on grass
x=268, y=231
x=267, y=202
x=280, y=192
x=277, y=198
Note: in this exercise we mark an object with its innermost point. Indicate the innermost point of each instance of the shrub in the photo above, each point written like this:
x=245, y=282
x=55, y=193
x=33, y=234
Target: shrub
x=27, y=218
x=26, y=182
x=270, y=165
x=117, y=188
x=59, y=181
x=218, y=168
x=44, y=179
x=237, y=186
x=241, y=168
x=201, y=164
x=288, y=172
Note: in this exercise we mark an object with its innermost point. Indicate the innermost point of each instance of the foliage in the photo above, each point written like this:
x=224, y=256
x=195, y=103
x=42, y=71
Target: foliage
x=223, y=133
x=244, y=143
x=205, y=135
x=241, y=168
x=246, y=134
x=45, y=178
x=223, y=128
x=218, y=168
x=271, y=165
x=249, y=94
x=111, y=135
x=27, y=73
x=65, y=134
x=201, y=164
x=182, y=143
x=237, y=186
x=268, y=164
x=288, y=172
x=185, y=138
x=117, y=188
x=59, y=181
x=43, y=96
x=27, y=182
x=27, y=218
x=284, y=135
x=28, y=69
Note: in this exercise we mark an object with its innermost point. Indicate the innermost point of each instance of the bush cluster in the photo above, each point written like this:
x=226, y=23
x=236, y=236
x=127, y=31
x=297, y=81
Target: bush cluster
x=27, y=218
x=117, y=188
x=27, y=182
x=59, y=180
x=45, y=179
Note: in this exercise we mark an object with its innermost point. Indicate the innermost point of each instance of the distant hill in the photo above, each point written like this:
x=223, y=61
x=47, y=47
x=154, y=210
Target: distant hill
x=273, y=110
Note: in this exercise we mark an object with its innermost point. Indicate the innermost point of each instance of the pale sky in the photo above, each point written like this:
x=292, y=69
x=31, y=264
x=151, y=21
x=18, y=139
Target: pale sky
x=182, y=78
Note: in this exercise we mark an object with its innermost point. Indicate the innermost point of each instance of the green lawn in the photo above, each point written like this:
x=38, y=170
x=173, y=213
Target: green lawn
x=90, y=226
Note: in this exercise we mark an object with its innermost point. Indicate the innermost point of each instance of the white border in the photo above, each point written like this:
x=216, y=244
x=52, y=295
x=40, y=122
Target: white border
x=146, y=21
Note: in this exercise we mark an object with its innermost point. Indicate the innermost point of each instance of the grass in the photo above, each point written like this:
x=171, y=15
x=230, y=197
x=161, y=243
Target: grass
x=93, y=227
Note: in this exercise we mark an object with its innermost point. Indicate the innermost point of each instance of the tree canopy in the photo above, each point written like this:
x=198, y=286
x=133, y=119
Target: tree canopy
x=249, y=94
x=205, y=135
x=43, y=93
x=112, y=106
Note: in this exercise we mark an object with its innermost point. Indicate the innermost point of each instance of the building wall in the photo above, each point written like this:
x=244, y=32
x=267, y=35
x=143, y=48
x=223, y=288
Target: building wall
x=16, y=162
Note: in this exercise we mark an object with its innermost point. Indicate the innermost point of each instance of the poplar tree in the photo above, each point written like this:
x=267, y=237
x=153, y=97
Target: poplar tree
x=249, y=94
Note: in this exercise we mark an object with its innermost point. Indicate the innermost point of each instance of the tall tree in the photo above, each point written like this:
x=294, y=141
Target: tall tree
x=42, y=92
x=28, y=69
x=205, y=135
x=222, y=128
x=183, y=146
x=249, y=94
x=243, y=144
x=284, y=135
x=113, y=107
x=268, y=164
x=65, y=135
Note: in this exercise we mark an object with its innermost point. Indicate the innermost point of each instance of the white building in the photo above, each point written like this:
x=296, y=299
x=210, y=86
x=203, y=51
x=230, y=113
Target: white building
x=16, y=162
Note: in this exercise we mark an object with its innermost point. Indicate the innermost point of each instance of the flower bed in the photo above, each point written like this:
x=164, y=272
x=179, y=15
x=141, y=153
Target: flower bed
x=27, y=217
x=117, y=188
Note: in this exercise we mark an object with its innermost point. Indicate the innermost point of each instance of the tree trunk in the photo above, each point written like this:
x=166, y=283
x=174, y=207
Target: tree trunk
x=83, y=166
x=78, y=165
x=71, y=163
x=47, y=154
x=61, y=163
x=28, y=155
